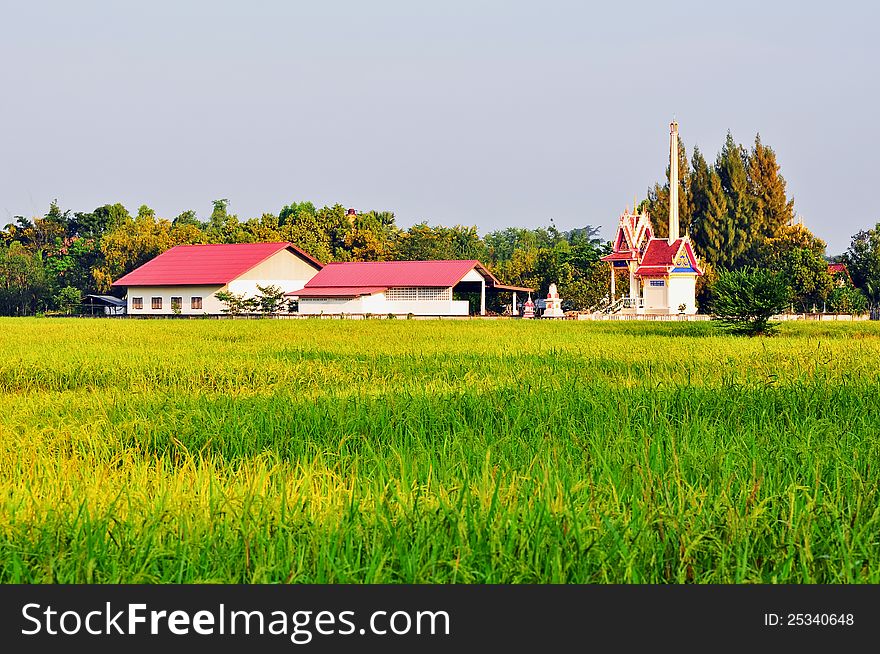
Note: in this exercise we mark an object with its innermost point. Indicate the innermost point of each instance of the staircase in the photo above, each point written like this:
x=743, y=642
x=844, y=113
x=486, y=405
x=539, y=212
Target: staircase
x=623, y=303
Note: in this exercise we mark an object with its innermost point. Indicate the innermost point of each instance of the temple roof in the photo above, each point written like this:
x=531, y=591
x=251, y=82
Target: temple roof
x=624, y=255
x=662, y=257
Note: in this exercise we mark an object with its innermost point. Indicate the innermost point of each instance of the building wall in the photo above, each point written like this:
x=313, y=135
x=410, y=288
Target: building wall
x=283, y=269
x=655, y=297
x=210, y=304
x=676, y=290
x=473, y=276
x=683, y=290
x=378, y=304
x=313, y=306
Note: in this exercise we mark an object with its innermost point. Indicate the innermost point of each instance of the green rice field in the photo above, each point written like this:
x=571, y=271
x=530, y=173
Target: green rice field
x=398, y=451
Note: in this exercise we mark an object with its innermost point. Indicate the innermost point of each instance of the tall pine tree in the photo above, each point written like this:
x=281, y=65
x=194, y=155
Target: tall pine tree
x=738, y=232
x=710, y=221
x=773, y=211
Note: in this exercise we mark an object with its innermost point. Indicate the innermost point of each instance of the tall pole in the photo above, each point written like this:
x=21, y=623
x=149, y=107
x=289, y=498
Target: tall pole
x=673, y=182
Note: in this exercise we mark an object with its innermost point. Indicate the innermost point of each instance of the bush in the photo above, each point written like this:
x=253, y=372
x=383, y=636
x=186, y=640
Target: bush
x=745, y=299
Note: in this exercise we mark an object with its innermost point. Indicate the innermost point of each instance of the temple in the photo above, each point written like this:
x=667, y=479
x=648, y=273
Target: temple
x=662, y=271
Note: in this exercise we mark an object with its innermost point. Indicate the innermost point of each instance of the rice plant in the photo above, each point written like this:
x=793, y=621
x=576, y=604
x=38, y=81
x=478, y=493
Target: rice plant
x=437, y=452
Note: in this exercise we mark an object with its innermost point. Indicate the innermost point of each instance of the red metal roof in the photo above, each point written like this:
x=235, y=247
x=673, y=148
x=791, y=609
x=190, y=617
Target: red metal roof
x=192, y=265
x=337, y=291
x=366, y=274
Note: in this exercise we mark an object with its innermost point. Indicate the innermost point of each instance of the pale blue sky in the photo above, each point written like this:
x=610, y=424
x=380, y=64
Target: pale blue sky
x=476, y=112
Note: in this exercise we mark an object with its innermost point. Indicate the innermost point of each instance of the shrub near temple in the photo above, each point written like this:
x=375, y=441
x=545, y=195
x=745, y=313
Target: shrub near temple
x=746, y=299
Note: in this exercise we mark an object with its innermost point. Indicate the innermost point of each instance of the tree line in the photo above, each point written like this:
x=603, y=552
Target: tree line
x=736, y=210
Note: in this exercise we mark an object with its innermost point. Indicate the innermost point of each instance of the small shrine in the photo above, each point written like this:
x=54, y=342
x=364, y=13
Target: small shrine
x=662, y=271
x=553, y=304
x=529, y=308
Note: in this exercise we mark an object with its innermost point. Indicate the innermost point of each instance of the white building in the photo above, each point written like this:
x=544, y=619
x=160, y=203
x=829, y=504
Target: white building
x=420, y=288
x=185, y=278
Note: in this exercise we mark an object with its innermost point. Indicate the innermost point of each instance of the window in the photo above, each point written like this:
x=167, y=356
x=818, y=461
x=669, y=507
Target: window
x=195, y=302
x=137, y=303
x=434, y=294
x=412, y=294
x=176, y=303
x=658, y=282
x=156, y=302
x=408, y=294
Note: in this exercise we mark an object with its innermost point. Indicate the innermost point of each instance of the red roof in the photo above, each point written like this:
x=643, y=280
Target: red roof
x=364, y=275
x=193, y=265
x=649, y=271
x=626, y=255
x=659, y=257
x=660, y=253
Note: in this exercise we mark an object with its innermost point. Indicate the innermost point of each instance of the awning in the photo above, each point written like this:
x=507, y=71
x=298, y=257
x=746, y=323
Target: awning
x=505, y=287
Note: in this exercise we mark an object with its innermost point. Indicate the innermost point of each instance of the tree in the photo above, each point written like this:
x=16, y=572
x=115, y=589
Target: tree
x=68, y=299
x=846, y=299
x=710, y=222
x=862, y=259
x=270, y=299
x=234, y=302
x=735, y=234
x=773, y=211
x=187, y=217
x=103, y=219
x=745, y=299
x=24, y=287
x=806, y=275
x=131, y=245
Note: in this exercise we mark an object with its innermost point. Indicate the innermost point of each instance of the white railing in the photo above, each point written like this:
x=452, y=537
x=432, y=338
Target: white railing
x=624, y=303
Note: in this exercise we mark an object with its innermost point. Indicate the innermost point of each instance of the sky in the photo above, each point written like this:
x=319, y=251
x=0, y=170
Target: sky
x=483, y=113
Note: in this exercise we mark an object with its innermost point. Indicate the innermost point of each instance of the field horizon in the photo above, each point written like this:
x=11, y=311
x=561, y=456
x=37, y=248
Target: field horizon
x=392, y=451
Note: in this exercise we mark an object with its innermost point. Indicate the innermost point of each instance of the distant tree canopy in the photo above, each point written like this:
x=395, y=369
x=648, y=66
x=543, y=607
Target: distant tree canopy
x=43, y=261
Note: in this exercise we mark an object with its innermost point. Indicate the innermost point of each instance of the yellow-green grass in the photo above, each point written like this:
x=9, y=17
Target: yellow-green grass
x=434, y=451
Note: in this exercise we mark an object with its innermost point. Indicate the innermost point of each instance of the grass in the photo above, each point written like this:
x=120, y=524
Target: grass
x=410, y=451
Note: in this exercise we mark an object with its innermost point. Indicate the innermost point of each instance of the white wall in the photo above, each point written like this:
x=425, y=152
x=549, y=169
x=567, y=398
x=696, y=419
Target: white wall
x=210, y=304
x=283, y=269
x=473, y=276
x=682, y=290
x=677, y=289
x=654, y=297
x=378, y=305
x=312, y=306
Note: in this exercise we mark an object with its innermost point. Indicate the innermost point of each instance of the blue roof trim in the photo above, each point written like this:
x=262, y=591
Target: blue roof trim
x=684, y=270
